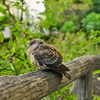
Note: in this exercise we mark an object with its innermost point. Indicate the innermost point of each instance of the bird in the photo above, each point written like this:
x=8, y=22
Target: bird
x=45, y=56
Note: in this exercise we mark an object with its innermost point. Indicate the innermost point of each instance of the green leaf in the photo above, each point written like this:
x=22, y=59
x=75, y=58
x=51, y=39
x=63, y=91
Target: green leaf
x=19, y=6
x=1, y=37
x=2, y=10
x=1, y=18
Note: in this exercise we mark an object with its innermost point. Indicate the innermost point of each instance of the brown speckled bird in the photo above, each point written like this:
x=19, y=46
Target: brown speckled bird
x=46, y=57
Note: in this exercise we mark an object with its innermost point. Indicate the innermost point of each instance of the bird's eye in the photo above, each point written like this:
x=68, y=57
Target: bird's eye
x=41, y=43
x=31, y=43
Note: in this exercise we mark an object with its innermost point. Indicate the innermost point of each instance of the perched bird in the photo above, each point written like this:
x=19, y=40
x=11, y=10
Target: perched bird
x=46, y=57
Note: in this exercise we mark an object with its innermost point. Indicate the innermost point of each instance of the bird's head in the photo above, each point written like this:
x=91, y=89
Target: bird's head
x=35, y=42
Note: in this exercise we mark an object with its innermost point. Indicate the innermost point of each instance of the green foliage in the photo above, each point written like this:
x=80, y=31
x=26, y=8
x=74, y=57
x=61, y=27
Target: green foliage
x=64, y=15
x=2, y=10
x=13, y=58
x=96, y=6
x=7, y=11
x=96, y=98
x=1, y=37
x=91, y=22
x=18, y=5
x=69, y=26
x=64, y=94
x=53, y=13
x=82, y=1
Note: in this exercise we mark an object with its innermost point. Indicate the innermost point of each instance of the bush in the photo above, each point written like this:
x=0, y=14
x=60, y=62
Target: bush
x=96, y=6
x=69, y=26
x=13, y=58
x=91, y=22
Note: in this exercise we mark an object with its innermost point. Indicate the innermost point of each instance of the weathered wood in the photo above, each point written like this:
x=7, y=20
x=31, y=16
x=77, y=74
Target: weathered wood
x=83, y=87
x=38, y=84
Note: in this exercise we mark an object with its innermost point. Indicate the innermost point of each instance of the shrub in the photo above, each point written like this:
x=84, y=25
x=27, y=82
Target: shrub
x=96, y=6
x=91, y=22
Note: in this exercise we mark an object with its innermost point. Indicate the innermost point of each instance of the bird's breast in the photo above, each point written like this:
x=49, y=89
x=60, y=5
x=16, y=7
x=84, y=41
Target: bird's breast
x=34, y=61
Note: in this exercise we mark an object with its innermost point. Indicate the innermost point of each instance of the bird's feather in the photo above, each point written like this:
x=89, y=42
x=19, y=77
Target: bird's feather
x=62, y=70
x=45, y=54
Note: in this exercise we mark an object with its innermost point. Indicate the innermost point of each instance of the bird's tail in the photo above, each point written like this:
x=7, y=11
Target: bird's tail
x=62, y=70
x=67, y=75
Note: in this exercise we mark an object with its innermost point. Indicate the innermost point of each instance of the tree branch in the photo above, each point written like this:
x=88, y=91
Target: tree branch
x=8, y=8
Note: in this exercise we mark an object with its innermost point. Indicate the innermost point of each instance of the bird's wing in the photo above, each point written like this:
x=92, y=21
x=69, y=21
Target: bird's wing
x=48, y=55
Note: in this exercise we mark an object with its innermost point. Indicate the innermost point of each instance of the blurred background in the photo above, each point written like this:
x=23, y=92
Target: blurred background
x=71, y=26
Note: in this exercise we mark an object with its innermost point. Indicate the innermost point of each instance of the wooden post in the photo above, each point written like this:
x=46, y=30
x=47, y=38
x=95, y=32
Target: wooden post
x=83, y=87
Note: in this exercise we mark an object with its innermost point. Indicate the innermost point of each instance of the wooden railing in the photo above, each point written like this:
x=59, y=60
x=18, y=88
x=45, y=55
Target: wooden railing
x=38, y=84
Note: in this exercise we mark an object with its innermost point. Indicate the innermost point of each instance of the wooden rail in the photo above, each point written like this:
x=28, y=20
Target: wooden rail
x=38, y=84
